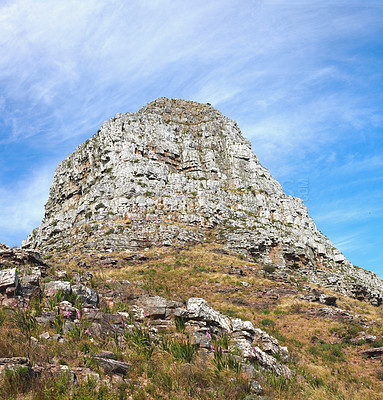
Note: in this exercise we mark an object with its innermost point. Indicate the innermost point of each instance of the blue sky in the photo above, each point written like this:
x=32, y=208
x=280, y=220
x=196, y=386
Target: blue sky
x=303, y=79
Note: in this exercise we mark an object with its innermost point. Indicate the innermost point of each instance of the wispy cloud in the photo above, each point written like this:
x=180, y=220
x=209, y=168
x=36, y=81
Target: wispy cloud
x=345, y=213
x=66, y=60
x=299, y=77
x=348, y=242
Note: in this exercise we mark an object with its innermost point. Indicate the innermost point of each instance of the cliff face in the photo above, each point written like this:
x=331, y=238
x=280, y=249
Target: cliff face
x=179, y=172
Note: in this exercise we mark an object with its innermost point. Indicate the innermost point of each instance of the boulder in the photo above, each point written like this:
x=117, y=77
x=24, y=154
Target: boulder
x=30, y=284
x=9, y=279
x=16, y=364
x=86, y=294
x=198, y=309
x=327, y=299
x=111, y=366
x=54, y=286
x=242, y=328
x=270, y=362
x=375, y=352
x=154, y=307
x=269, y=344
x=255, y=387
x=45, y=336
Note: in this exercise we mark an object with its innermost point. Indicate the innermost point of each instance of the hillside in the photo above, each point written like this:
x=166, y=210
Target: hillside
x=142, y=331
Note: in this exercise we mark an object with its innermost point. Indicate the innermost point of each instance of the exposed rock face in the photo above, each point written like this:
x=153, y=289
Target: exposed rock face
x=9, y=257
x=178, y=172
x=9, y=279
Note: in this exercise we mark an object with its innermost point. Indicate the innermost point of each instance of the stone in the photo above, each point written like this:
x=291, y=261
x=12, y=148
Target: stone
x=375, y=352
x=238, y=325
x=328, y=299
x=270, y=362
x=337, y=314
x=106, y=354
x=370, y=338
x=9, y=279
x=16, y=364
x=154, y=307
x=32, y=279
x=29, y=290
x=138, y=313
x=86, y=294
x=269, y=344
x=198, y=309
x=85, y=374
x=201, y=340
x=96, y=329
x=255, y=387
x=21, y=257
x=111, y=366
x=45, y=336
x=46, y=317
x=181, y=313
x=236, y=271
x=54, y=286
x=248, y=370
x=61, y=274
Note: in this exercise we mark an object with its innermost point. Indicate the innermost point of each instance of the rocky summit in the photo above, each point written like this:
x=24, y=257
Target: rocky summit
x=177, y=173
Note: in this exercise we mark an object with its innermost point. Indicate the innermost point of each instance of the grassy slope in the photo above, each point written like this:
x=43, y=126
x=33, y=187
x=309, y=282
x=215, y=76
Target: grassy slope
x=328, y=366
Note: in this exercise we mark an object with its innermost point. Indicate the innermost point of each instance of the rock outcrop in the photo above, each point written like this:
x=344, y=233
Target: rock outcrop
x=179, y=172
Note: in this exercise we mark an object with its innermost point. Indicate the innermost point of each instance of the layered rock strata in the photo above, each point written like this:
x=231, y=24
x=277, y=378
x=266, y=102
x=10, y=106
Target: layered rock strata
x=179, y=172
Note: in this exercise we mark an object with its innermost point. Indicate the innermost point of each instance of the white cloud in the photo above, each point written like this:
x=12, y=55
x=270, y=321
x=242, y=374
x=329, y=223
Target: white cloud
x=349, y=242
x=69, y=55
x=349, y=210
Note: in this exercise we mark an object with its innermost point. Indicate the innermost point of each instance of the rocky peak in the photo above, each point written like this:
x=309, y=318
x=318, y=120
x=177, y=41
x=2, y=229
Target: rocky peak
x=177, y=173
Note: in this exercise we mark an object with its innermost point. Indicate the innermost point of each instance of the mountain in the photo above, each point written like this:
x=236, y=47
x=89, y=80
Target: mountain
x=171, y=265
x=178, y=173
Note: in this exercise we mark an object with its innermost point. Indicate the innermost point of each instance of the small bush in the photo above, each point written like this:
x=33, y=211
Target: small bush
x=14, y=382
x=328, y=352
x=296, y=308
x=269, y=268
x=268, y=322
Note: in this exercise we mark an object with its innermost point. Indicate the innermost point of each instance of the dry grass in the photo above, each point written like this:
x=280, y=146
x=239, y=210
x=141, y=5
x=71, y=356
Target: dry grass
x=326, y=365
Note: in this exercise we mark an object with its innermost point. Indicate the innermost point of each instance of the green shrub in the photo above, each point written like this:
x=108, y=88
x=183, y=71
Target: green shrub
x=15, y=382
x=268, y=322
x=269, y=268
x=328, y=352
